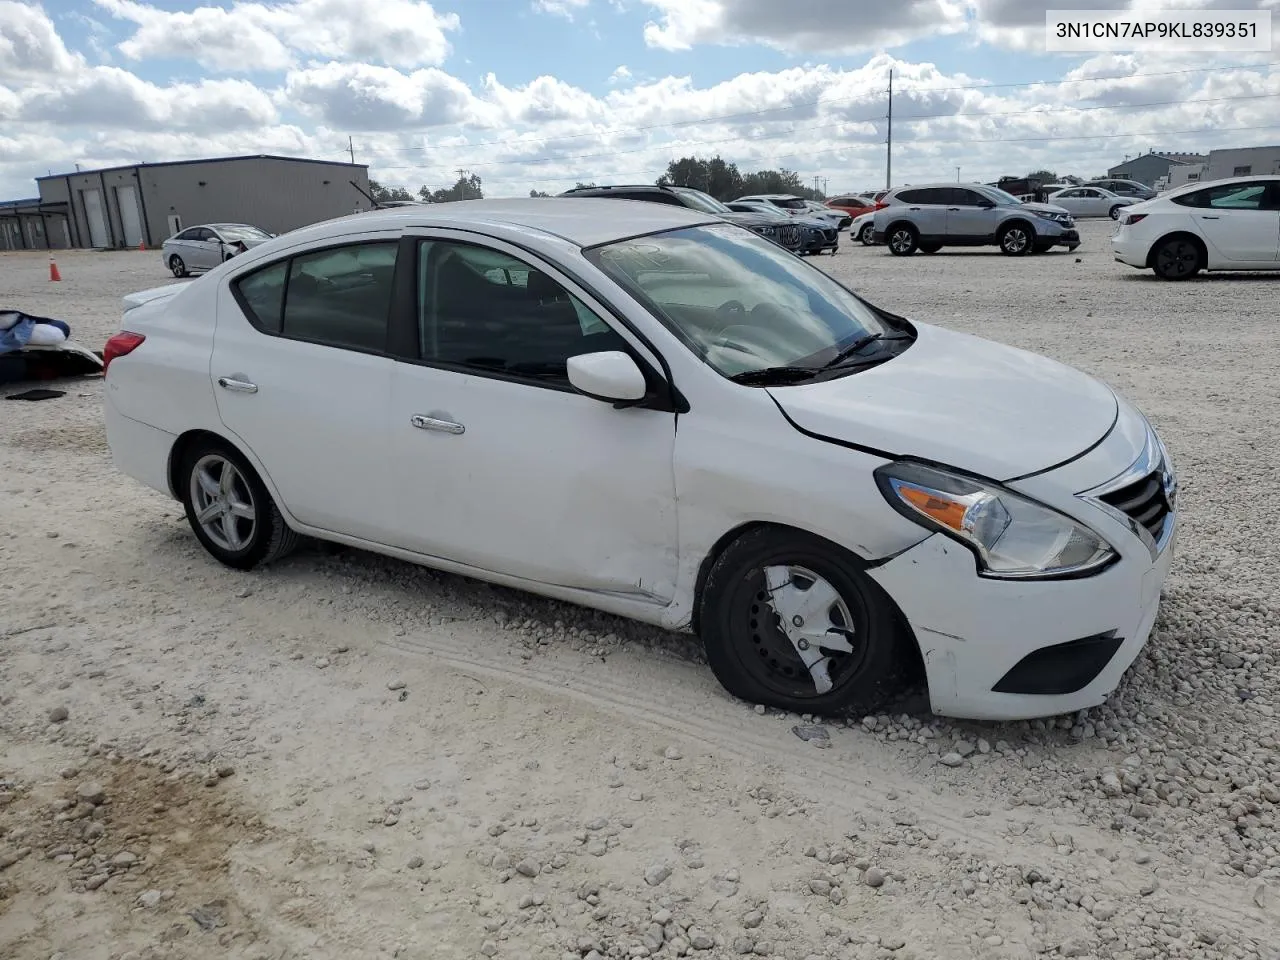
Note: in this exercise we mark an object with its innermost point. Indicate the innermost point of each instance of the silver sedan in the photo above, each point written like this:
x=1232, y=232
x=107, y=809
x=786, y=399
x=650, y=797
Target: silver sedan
x=1090, y=202
x=204, y=247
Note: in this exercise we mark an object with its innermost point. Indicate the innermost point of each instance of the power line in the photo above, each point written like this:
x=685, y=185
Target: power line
x=821, y=101
x=691, y=144
x=852, y=145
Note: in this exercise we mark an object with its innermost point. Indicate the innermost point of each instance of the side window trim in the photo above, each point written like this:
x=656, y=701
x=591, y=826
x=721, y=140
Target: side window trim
x=233, y=286
x=404, y=343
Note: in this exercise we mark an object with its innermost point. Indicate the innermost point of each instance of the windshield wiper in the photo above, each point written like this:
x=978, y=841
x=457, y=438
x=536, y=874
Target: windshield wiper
x=857, y=345
x=766, y=376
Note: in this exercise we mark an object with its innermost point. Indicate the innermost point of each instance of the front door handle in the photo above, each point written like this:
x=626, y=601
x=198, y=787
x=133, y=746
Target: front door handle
x=1209, y=218
x=434, y=423
x=237, y=384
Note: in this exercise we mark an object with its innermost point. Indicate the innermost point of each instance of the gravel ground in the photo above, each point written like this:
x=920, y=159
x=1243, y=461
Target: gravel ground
x=346, y=756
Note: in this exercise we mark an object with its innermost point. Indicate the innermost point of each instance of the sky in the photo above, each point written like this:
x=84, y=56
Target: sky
x=541, y=94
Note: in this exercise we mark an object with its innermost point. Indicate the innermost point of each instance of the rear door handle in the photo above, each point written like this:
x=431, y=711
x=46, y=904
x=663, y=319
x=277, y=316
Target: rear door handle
x=1202, y=217
x=237, y=385
x=435, y=423
x=953, y=209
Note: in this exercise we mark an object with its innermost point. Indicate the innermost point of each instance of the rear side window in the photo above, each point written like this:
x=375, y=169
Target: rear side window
x=262, y=294
x=911, y=196
x=1234, y=196
x=339, y=297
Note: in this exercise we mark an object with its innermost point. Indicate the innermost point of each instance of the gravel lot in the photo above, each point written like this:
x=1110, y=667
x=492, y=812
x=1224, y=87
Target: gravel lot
x=346, y=756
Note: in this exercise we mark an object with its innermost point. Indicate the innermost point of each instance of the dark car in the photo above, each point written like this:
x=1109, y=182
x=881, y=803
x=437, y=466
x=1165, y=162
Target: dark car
x=786, y=233
x=817, y=233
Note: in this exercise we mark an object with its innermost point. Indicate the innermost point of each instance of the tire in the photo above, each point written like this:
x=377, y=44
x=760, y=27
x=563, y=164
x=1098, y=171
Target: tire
x=177, y=266
x=751, y=656
x=902, y=239
x=1177, y=258
x=260, y=538
x=1016, y=239
x=867, y=235
x=930, y=247
x=1114, y=212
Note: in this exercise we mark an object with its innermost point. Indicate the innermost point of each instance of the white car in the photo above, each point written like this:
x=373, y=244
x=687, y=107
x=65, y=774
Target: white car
x=665, y=416
x=863, y=228
x=197, y=249
x=1229, y=224
x=1090, y=202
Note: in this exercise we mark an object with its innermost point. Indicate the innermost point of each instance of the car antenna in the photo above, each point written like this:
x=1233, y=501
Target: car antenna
x=376, y=204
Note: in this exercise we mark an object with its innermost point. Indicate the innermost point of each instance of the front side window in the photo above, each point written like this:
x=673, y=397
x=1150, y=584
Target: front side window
x=1001, y=197
x=483, y=310
x=792, y=203
x=740, y=302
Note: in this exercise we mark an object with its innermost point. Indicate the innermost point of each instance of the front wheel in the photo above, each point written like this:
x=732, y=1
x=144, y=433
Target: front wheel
x=790, y=621
x=1016, y=240
x=229, y=508
x=1114, y=212
x=903, y=240
x=867, y=235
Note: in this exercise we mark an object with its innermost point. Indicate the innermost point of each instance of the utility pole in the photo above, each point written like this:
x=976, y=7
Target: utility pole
x=462, y=179
x=957, y=174
x=888, y=155
x=351, y=148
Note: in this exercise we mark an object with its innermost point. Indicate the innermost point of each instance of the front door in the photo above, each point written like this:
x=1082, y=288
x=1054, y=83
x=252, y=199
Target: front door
x=301, y=377
x=206, y=250
x=967, y=217
x=498, y=462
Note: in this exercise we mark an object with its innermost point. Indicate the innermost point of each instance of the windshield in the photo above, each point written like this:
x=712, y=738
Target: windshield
x=702, y=201
x=998, y=195
x=242, y=233
x=739, y=301
x=793, y=203
x=764, y=209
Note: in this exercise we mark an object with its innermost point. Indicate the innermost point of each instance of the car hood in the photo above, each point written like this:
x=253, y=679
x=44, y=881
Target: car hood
x=1045, y=208
x=961, y=401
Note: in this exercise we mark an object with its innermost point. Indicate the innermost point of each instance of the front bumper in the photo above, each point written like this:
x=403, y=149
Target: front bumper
x=1015, y=650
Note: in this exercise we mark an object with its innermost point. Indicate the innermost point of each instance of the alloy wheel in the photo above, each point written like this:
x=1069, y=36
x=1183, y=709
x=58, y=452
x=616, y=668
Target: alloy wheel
x=1015, y=240
x=902, y=242
x=223, y=502
x=1177, y=259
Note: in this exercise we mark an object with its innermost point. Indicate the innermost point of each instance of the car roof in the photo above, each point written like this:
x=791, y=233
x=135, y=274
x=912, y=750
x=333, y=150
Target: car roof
x=584, y=221
x=771, y=196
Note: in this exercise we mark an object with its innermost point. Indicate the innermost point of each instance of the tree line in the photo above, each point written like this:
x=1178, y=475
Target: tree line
x=716, y=176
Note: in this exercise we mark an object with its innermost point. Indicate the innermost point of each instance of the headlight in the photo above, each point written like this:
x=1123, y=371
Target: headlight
x=1013, y=537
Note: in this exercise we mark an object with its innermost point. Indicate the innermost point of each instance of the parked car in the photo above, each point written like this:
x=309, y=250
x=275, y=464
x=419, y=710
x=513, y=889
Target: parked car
x=863, y=228
x=1090, y=202
x=788, y=203
x=821, y=211
x=1231, y=224
x=197, y=249
x=816, y=235
x=929, y=217
x=853, y=204
x=1124, y=188
x=792, y=236
x=644, y=409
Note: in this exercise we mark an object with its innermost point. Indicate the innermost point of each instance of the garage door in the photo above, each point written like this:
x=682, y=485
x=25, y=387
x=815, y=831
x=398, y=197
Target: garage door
x=96, y=216
x=127, y=200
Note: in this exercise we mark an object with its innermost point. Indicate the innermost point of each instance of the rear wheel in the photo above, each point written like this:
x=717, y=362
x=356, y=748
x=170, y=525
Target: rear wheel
x=229, y=508
x=1178, y=258
x=1114, y=213
x=903, y=240
x=790, y=621
x=930, y=247
x=177, y=266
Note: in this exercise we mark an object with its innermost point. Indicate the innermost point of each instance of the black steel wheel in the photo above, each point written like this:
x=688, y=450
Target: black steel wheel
x=791, y=621
x=1178, y=258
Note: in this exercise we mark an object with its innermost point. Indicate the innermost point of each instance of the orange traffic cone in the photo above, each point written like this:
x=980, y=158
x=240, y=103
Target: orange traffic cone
x=53, y=270
x=142, y=246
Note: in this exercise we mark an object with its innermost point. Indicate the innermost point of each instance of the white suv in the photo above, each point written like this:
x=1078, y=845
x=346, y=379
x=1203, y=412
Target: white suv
x=932, y=216
x=1225, y=225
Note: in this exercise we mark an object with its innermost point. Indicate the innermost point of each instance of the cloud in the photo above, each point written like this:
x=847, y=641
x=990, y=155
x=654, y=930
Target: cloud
x=561, y=8
x=814, y=26
x=620, y=75
x=30, y=45
x=357, y=96
x=250, y=36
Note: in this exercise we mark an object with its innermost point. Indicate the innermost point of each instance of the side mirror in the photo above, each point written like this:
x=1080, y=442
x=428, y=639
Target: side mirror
x=611, y=376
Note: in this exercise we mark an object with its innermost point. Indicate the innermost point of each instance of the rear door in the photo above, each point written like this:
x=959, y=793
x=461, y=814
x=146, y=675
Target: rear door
x=302, y=379
x=927, y=210
x=1241, y=221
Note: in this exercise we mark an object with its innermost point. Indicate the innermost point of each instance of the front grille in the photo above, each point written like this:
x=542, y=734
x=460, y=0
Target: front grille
x=790, y=235
x=1143, y=501
x=829, y=234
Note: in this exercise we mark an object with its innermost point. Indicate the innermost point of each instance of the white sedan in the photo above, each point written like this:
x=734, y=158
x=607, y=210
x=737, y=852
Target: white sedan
x=1229, y=224
x=1090, y=202
x=664, y=416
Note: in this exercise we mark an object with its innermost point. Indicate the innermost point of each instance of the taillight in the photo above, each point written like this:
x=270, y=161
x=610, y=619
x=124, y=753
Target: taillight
x=1129, y=219
x=122, y=344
